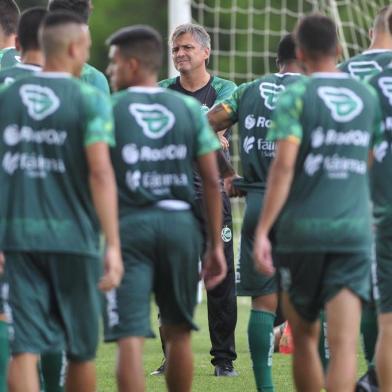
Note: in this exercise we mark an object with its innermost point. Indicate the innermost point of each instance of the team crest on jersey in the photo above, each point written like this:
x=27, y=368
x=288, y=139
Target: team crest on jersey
x=385, y=84
x=343, y=103
x=40, y=101
x=270, y=92
x=363, y=70
x=226, y=234
x=155, y=119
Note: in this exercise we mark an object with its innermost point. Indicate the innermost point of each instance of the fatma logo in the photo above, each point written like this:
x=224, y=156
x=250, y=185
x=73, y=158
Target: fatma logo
x=270, y=92
x=155, y=119
x=363, y=70
x=40, y=101
x=344, y=104
x=248, y=143
x=385, y=84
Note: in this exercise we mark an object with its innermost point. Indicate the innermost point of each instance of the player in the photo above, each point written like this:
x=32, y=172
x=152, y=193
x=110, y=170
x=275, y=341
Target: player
x=377, y=57
x=159, y=135
x=49, y=232
x=251, y=106
x=27, y=44
x=83, y=8
x=190, y=47
x=317, y=194
x=9, y=16
x=382, y=202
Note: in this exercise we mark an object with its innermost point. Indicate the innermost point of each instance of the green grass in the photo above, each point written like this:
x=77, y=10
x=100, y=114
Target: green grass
x=204, y=381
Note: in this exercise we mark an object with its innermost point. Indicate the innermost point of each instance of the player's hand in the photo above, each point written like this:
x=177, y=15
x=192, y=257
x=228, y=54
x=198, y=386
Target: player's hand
x=230, y=188
x=214, y=267
x=224, y=142
x=2, y=262
x=262, y=255
x=113, y=269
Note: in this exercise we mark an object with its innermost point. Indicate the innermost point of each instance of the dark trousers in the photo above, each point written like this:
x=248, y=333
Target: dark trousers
x=222, y=301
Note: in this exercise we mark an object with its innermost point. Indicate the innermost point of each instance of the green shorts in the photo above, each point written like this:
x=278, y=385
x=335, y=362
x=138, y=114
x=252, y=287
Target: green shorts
x=383, y=292
x=55, y=303
x=250, y=282
x=160, y=251
x=4, y=288
x=313, y=279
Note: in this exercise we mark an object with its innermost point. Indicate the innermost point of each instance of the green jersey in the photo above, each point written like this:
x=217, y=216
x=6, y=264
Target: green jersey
x=335, y=119
x=47, y=120
x=252, y=105
x=381, y=177
x=93, y=77
x=159, y=135
x=9, y=75
x=367, y=64
x=9, y=57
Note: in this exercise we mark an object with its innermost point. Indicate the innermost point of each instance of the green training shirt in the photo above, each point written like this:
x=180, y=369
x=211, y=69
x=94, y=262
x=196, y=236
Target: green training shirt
x=252, y=105
x=47, y=121
x=336, y=120
x=367, y=64
x=159, y=135
x=9, y=57
x=93, y=77
x=9, y=75
x=381, y=172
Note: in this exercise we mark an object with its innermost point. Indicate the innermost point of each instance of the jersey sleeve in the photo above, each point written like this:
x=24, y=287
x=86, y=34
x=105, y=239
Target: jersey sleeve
x=99, y=125
x=95, y=78
x=166, y=83
x=286, y=119
x=206, y=140
x=224, y=89
x=378, y=127
x=231, y=104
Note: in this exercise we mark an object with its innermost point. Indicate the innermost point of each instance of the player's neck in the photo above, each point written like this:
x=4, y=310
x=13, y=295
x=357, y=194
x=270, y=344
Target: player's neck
x=145, y=81
x=34, y=57
x=7, y=41
x=57, y=65
x=326, y=64
x=292, y=67
x=193, y=81
x=381, y=41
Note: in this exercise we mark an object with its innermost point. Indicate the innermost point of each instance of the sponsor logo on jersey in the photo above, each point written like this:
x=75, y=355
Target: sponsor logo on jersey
x=40, y=101
x=154, y=119
x=8, y=80
x=226, y=234
x=132, y=154
x=204, y=108
x=331, y=137
x=270, y=92
x=248, y=143
x=260, y=122
x=133, y=179
x=13, y=135
x=385, y=84
x=380, y=151
x=343, y=103
x=285, y=278
x=363, y=70
x=312, y=164
x=33, y=165
x=112, y=308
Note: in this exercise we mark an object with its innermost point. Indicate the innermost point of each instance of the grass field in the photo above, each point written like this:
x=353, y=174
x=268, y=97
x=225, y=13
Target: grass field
x=204, y=381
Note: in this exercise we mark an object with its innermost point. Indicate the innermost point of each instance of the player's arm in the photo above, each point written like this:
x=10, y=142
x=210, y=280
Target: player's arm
x=219, y=117
x=286, y=130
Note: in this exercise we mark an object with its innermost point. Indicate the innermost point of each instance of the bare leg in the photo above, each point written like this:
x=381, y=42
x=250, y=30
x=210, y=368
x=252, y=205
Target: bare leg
x=343, y=318
x=130, y=373
x=384, y=352
x=307, y=369
x=179, y=370
x=22, y=373
x=81, y=377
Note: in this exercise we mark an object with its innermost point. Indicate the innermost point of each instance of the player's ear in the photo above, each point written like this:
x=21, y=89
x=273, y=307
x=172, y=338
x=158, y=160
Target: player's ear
x=339, y=51
x=17, y=44
x=207, y=52
x=371, y=33
x=299, y=54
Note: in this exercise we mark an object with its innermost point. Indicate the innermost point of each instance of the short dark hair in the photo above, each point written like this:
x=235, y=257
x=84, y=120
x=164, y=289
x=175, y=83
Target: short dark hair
x=317, y=35
x=286, y=50
x=9, y=16
x=389, y=21
x=28, y=27
x=139, y=41
x=58, y=18
x=79, y=7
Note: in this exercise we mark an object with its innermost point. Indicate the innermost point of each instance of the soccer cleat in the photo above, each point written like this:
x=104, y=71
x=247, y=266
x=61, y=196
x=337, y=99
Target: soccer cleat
x=161, y=370
x=368, y=382
x=225, y=370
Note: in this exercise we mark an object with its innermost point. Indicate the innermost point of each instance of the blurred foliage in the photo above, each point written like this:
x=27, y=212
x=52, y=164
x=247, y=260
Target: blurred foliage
x=110, y=15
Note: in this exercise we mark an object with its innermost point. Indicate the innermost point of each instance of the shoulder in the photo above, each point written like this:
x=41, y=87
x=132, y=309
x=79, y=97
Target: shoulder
x=167, y=82
x=220, y=84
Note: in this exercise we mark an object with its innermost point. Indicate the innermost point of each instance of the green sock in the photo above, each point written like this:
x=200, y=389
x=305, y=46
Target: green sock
x=369, y=331
x=53, y=367
x=323, y=342
x=261, y=345
x=4, y=355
